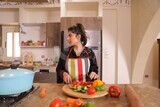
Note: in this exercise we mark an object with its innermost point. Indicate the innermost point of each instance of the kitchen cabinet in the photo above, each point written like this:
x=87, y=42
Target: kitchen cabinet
x=89, y=23
x=0, y=36
x=9, y=14
x=81, y=8
x=12, y=14
x=53, y=34
x=45, y=77
x=48, y=33
x=158, y=40
x=40, y=13
x=33, y=34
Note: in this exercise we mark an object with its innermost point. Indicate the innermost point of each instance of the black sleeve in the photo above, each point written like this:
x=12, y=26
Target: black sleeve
x=61, y=67
x=93, y=62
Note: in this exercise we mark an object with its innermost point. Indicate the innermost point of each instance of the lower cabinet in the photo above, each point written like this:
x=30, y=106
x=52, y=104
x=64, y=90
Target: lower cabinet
x=45, y=77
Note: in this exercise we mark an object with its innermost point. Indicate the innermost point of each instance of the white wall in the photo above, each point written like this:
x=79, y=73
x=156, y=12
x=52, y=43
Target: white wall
x=116, y=44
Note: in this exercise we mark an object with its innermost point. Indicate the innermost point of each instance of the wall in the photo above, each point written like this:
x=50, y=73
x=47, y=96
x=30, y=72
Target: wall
x=144, y=33
x=116, y=41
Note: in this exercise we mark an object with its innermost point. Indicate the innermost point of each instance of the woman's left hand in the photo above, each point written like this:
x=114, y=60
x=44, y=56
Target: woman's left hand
x=93, y=75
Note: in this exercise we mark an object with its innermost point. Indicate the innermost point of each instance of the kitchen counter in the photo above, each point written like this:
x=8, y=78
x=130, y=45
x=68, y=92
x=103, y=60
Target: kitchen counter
x=131, y=96
x=143, y=95
x=31, y=67
x=55, y=90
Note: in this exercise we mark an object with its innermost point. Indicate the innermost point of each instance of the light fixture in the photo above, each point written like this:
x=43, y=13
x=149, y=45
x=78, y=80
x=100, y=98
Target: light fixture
x=21, y=30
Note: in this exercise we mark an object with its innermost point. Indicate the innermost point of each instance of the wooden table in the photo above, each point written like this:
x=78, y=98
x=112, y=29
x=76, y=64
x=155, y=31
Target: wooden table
x=55, y=90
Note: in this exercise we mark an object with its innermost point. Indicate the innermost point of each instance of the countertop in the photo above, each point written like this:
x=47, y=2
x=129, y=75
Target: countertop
x=137, y=95
x=31, y=67
x=55, y=90
x=140, y=95
x=21, y=65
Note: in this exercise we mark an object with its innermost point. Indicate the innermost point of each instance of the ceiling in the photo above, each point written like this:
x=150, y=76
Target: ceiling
x=23, y=0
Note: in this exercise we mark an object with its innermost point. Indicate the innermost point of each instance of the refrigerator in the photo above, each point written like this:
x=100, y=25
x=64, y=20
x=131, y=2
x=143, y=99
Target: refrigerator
x=94, y=42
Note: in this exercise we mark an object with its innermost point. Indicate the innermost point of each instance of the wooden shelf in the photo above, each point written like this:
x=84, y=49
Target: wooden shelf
x=33, y=46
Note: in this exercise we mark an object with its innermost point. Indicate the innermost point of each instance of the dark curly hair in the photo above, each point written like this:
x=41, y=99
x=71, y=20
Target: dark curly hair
x=79, y=30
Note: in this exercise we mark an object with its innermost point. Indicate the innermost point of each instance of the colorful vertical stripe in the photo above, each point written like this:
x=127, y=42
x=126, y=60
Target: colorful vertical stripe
x=78, y=68
x=80, y=73
x=72, y=69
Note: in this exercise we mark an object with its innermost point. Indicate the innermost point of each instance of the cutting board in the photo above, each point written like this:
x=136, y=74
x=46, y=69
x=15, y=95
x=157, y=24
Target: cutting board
x=68, y=91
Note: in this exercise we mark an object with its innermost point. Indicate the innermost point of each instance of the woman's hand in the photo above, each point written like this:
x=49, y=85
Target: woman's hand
x=66, y=77
x=93, y=75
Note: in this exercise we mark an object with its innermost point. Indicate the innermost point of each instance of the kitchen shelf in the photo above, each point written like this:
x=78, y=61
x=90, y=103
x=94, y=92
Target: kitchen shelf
x=33, y=46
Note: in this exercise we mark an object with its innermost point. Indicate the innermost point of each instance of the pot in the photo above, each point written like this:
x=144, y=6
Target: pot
x=15, y=81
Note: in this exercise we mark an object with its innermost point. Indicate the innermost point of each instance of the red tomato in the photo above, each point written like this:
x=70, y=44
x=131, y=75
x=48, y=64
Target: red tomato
x=56, y=103
x=91, y=90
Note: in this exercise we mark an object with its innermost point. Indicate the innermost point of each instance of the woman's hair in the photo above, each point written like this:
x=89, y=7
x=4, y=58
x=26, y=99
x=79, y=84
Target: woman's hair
x=79, y=30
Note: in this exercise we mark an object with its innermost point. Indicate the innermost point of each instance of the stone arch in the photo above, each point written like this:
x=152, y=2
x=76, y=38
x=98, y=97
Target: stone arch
x=145, y=48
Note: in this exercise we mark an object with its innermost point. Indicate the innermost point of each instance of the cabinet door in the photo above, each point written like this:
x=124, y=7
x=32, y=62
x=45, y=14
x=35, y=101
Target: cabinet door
x=0, y=36
x=89, y=23
x=53, y=34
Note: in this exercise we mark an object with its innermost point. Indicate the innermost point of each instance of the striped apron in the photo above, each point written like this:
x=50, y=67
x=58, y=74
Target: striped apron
x=78, y=68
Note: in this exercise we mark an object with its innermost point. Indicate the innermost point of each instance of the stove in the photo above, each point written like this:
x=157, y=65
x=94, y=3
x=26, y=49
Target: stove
x=13, y=100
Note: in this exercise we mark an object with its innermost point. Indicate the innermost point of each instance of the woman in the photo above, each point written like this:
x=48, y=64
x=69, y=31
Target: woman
x=77, y=62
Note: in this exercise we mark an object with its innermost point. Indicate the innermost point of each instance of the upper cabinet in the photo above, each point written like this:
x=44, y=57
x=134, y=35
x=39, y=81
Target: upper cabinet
x=53, y=34
x=40, y=34
x=40, y=14
x=81, y=8
x=33, y=35
x=89, y=23
x=12, y=14
x=0, y=36
x=9, y=15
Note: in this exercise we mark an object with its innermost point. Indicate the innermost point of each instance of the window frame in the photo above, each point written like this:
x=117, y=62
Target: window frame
x=6, y=29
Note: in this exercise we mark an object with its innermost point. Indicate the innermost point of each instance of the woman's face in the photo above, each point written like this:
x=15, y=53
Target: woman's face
x=73, y=39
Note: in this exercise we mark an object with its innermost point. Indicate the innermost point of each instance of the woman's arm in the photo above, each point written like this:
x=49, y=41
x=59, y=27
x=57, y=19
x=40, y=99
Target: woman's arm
x=61, y=67
x=93, y=62
x=93, y=72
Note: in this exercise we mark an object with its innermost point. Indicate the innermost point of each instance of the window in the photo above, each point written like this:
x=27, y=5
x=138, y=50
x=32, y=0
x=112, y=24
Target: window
x=11, y=42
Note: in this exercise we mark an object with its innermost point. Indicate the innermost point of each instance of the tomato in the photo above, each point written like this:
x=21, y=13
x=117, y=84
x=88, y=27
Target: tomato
x=56, y=103
x=114, y=91
x=91, y=90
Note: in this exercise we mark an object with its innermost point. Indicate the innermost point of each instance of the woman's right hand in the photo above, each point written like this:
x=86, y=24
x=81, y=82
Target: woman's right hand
x=66, y=77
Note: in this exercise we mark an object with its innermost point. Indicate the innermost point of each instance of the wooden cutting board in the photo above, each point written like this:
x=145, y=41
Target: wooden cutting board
x=71, y=93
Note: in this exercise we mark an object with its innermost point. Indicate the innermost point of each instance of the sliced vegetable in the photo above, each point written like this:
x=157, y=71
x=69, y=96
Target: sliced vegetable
x=114, y=91
x=70, y=100
x=56, y=102
x=88, y=104
x=100, y=88
x=42, y=92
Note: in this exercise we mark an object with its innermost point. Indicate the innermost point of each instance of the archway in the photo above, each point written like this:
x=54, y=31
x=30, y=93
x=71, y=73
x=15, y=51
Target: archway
x=145, y=48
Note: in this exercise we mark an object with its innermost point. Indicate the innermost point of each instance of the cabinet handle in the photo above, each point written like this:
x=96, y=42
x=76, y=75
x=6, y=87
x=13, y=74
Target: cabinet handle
x=47, y=42
x=5, y=45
